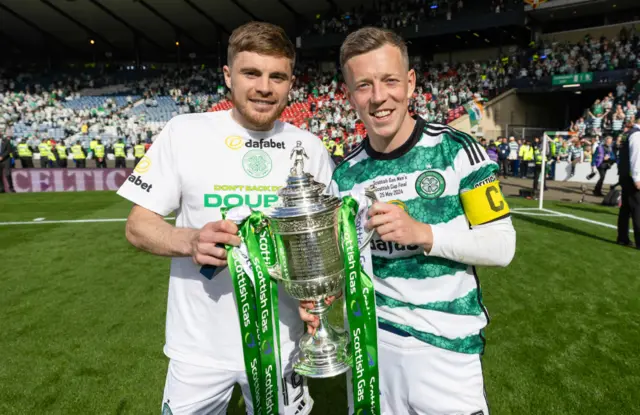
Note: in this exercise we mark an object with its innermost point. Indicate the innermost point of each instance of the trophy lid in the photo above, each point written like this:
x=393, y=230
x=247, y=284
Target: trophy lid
x=302, y=196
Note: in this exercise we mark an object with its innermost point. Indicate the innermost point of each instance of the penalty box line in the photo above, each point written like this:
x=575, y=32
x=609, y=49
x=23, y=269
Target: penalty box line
x=54, y=222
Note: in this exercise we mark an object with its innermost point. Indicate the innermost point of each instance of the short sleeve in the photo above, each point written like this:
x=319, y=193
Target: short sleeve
x=325, y=166
x=480, y=193
x=154, y=183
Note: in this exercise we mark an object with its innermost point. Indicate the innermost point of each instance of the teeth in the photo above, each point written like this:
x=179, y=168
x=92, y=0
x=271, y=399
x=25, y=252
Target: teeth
x=381, y=114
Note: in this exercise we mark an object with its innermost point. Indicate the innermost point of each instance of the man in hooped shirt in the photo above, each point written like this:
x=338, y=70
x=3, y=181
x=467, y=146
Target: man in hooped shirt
x=242, y=158
x=440, y=214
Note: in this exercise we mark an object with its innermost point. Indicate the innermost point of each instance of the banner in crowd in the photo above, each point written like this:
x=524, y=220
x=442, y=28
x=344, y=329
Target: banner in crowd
x=475, y=110
x=68, y=180
x=572, y=79
x=535, y=3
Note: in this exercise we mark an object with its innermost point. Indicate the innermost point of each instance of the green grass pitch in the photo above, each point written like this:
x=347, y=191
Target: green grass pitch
x=83, y=312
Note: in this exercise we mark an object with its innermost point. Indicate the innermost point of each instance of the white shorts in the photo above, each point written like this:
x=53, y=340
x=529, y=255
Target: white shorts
x=419, y=379
x=197, y=390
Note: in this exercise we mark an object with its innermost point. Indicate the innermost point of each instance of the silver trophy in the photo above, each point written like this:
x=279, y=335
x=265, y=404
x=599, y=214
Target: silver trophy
x=310, y=264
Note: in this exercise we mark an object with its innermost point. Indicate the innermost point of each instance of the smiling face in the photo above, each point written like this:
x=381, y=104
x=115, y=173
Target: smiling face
x=260, y=86
x=379, y=87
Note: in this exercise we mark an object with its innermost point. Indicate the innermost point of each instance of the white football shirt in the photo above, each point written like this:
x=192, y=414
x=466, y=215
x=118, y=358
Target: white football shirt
x=198, y=164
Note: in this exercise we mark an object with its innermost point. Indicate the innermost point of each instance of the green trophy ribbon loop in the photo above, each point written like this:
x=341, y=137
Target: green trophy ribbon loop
x=257, y=310
x=361, y=312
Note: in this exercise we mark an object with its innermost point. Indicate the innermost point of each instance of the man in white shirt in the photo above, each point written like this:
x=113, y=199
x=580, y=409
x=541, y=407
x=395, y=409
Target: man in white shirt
x=629, y=170
x=199, y=164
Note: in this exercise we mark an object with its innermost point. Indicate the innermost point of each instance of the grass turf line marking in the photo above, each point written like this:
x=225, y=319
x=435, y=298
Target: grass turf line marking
x=549, y=215
x=594, y=222
x=52, y=222
x=38, y=219
x=524, y=209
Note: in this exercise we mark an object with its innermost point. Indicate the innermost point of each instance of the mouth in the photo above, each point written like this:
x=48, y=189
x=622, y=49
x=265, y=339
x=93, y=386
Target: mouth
x=263, y=103
x=381, y=115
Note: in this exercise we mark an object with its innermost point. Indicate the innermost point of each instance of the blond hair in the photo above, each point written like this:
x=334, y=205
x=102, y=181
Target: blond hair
x=262, y=38
x=371, y=38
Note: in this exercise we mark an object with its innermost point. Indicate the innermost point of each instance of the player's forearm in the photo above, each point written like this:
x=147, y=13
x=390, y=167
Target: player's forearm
x=493, y=244
x=149, y=232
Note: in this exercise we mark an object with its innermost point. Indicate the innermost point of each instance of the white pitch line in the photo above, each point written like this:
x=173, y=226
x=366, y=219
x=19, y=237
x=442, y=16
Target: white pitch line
x=594, y=222
x=39, y=219
x=50, y=222
x=523, y=209
x=534, y=213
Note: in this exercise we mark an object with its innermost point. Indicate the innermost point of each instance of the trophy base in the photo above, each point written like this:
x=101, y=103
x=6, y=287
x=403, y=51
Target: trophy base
x=305, y=367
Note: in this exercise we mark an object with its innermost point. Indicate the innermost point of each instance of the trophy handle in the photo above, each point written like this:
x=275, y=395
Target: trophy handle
x=369, y=194
x=274, y=272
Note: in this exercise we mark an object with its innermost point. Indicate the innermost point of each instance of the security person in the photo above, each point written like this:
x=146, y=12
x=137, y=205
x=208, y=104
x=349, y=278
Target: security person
x=44, y=150
x=79, y=156
x=526, y=155
x=629, y=170
x=138, y=151
x=53, y=154
x=537, y=157
x=25, y=154
x=92, y=146
x=98, y=150
x=63, y=153
x=119, y=152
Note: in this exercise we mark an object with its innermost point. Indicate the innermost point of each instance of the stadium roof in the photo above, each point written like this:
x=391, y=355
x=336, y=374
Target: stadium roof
x=116, y=25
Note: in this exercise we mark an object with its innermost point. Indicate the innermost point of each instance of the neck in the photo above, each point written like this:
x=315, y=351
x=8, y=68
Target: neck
x=240, y=119
x=388, y=144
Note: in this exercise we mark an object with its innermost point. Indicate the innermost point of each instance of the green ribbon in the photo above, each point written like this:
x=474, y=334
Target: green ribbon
x=361, y=312
x=257, y=310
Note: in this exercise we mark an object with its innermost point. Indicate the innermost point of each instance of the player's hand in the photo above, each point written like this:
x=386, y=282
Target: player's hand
x=638, y=185
x=203, y=245
x=312, y=320
x=393, y=224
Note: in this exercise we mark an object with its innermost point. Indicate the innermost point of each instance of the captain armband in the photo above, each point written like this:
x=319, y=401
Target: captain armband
x=484, y=204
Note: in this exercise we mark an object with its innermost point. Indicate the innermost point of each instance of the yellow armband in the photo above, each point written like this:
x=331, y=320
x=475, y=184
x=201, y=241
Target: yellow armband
x=484, y=204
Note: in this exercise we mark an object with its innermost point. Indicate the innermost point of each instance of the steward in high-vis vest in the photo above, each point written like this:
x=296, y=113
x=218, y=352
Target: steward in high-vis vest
x=526, y=155
x=100, y=156
x=53, y=155
x=92, y=146
x=119, y=152
x=44, y=149
x=25, y=154
x=537, y=157
x=62, y=151
x=79, y=156
x=138, y=152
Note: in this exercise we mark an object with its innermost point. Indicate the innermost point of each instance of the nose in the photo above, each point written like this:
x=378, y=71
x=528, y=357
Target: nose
x=263, y=86
x=379, y=94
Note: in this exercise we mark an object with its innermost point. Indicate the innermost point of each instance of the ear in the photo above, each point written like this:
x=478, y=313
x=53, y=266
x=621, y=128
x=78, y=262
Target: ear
x=227, y=75
x=411, y=83
x=293, y=81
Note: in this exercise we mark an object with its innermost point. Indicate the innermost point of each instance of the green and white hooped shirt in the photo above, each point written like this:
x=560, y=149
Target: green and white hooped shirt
x=443, y=177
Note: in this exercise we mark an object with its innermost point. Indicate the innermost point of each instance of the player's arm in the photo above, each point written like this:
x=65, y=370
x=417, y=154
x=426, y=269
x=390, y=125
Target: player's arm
x=149, y=232
x=490, y=241
x=155, y=190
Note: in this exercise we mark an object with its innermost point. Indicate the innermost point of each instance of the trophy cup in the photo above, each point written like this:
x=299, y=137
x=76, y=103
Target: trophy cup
x=310, y=265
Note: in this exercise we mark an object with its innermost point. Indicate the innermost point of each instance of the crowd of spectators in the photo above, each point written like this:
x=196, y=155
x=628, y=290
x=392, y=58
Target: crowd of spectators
x=591, y=55
x=404, y=13
x=53, y=108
